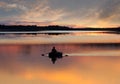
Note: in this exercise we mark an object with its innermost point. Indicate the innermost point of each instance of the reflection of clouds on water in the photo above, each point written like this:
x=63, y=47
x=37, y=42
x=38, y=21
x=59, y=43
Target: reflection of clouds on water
x=24, y=62
x=72, y=37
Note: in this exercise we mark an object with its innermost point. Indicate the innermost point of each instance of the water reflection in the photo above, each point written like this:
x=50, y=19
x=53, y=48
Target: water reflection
x=94, y=58
x=24, y=64
x=61, y=37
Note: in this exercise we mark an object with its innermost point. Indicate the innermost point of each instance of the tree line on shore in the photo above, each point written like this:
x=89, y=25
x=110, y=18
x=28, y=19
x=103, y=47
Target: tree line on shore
x=50, y=28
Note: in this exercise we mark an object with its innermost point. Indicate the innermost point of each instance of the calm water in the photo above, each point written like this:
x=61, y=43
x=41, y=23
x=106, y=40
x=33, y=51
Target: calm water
x=94, y=58
x=68, y=37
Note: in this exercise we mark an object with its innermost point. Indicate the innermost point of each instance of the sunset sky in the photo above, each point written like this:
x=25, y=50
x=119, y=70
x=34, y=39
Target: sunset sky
x=75, y=13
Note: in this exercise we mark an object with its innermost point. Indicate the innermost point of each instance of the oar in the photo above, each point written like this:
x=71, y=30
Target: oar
x=42, y=55
x=66, y=56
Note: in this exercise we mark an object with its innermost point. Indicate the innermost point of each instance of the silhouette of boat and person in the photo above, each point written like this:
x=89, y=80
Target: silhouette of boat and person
x=54, y=55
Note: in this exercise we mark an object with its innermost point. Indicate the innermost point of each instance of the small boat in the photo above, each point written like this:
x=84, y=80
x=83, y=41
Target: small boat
x=54, y=55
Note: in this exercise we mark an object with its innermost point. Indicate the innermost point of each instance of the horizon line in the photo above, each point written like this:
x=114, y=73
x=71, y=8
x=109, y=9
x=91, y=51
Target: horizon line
x=52, y=25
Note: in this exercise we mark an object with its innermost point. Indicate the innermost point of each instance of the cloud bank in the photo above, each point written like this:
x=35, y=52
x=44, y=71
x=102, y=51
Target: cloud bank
x=90, y=13
x=110, y=11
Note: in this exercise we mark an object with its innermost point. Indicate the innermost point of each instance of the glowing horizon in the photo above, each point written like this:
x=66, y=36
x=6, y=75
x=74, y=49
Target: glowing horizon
x=74, y=13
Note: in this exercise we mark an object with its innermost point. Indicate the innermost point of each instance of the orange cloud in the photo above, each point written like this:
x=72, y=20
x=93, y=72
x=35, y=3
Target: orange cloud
x=42, y=12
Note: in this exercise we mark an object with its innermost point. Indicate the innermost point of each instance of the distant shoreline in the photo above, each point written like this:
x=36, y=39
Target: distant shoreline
x=19, y=28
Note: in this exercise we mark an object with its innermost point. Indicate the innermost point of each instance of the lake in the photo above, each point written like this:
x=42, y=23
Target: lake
x=93, y=57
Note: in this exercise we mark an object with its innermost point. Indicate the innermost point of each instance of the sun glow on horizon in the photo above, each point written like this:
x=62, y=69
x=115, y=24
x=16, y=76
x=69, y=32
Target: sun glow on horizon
x=104, y=13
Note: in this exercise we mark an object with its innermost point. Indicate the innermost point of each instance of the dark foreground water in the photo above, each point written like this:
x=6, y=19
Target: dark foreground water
x=93, y=58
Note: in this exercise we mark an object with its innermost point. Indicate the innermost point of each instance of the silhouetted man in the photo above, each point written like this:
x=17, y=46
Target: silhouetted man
x=53, y=55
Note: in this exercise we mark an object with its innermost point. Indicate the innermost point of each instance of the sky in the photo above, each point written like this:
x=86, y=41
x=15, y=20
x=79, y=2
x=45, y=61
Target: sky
x=74, y=13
